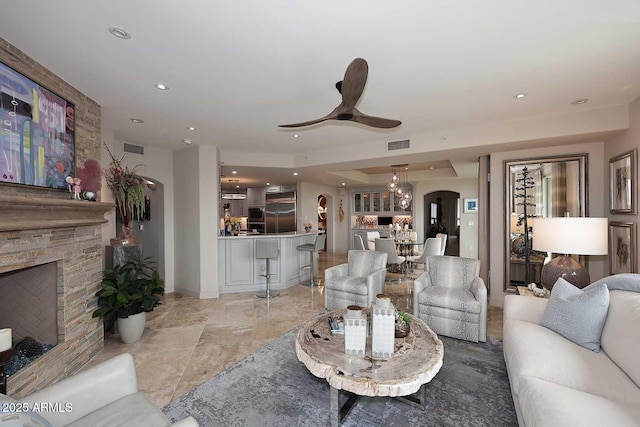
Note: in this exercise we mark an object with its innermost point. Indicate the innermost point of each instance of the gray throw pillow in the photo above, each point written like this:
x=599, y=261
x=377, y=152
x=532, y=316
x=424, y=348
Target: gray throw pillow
x=577, y=315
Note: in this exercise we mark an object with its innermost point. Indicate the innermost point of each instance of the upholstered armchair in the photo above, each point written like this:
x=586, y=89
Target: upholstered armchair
x=451, y=298
x=357, y=282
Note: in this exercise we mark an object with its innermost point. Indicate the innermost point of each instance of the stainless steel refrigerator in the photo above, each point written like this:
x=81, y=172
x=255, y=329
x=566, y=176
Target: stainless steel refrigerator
x=280, y=212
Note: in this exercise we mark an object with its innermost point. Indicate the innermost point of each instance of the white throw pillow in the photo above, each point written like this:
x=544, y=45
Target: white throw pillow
x=577, y=315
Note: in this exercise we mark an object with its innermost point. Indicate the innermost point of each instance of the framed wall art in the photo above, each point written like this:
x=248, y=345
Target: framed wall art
x=622, y=183
x=470, y=206
x=622, y=247
x=37, y=133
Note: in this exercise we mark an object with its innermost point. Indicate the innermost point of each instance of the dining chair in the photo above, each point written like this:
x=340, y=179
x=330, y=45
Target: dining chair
x=358, y=243
x=389, y=247
x=371, y=239
x=443, y=238
x=432, y=247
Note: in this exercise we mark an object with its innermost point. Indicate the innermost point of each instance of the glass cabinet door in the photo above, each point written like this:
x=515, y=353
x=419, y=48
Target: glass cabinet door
x=366, y=202
x=376, y=202
x=357, y=202
x=386, y=201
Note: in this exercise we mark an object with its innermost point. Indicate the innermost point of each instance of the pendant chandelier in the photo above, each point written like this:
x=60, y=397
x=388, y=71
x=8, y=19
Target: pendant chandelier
x=398, y=185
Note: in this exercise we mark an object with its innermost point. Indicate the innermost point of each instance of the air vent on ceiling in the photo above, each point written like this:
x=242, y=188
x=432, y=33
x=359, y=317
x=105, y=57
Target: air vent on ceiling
x=135, y=149
x=398, y=145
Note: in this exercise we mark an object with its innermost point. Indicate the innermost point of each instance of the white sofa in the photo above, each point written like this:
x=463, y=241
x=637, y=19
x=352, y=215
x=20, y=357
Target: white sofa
x=555, y=382
x=105, y=395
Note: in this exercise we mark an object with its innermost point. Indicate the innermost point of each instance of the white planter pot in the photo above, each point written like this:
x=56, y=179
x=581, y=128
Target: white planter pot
x=132, y=327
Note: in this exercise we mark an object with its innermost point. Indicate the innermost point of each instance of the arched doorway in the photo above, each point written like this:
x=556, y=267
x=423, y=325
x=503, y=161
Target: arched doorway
x=150, y=230
x=442, y=215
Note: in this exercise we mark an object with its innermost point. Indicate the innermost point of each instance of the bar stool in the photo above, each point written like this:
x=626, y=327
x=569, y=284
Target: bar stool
x=313, y=248
x=267, y=249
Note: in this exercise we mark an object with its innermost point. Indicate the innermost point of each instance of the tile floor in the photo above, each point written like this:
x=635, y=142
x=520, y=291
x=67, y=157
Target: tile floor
x=188, y=341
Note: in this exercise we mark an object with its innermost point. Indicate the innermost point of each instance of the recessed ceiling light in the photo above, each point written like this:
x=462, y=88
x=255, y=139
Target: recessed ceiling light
x=268, y=183
x=187, y=141
x=192, y=128
x=344, y=183
x=519, y=95
x=162, y=86
x=237, y=186
x=295, y=174
x=120, y=32
x=295, y=135
x=580, y=101
x=134, y=120
x=234, y=172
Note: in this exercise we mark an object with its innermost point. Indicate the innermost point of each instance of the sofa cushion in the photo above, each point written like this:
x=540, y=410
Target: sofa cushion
x=621, y=333
x=577, y=315
x=533, y=350
x=134, y=410
x=544, y=403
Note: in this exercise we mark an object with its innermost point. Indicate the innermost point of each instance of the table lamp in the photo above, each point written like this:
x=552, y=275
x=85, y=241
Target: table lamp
x=566, y=236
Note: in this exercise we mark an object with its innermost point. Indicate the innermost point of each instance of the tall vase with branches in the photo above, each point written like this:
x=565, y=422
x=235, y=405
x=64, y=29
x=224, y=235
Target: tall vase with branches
x=127, y=189
x=523, y=184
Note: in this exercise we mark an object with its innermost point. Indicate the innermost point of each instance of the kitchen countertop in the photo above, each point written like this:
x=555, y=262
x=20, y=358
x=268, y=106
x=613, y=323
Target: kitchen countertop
x=272, y=235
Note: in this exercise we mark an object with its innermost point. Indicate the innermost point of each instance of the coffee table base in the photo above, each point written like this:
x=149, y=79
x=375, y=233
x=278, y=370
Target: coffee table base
x=340, y=412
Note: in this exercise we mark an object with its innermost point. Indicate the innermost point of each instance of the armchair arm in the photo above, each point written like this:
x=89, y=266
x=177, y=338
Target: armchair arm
x=375, y=283
x=421, y=283
x=479, y=291
x=340, y=270
x=89, y=390
x=525, y=308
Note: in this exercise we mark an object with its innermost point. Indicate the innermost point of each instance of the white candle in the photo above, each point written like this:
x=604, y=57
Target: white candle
x=5, y=339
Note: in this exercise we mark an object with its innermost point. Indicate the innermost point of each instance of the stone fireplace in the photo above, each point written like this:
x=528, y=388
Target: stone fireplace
x=67, y=235
x=29, y=303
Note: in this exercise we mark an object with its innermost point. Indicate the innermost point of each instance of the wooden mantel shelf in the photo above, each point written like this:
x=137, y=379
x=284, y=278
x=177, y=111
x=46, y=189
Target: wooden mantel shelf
x=31, y=213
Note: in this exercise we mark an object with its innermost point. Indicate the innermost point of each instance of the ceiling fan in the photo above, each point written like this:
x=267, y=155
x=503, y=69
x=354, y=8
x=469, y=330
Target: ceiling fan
x=351, y=89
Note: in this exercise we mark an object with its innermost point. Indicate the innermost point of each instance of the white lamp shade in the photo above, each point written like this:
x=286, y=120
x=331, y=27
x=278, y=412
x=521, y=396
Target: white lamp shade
x=571, y=235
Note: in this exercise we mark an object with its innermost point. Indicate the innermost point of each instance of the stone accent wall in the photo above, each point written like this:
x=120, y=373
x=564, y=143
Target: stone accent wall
x=77, y=251
x=78, y=254
x=73, y=242
x=87, y=114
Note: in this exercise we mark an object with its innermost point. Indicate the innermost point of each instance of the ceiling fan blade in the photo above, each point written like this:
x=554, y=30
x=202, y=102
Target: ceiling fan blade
x=376, y=122
x=354, y=80
x=330, y=116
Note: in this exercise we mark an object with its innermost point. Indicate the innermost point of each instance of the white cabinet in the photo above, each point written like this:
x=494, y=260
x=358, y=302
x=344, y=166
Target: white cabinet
x=256, y=197
x=240, y=262
x=377, y=202
x=238, y=207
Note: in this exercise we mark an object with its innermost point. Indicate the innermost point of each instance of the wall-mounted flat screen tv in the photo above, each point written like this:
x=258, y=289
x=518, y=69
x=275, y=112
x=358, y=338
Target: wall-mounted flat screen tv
x=37, y=133
x=385, y=220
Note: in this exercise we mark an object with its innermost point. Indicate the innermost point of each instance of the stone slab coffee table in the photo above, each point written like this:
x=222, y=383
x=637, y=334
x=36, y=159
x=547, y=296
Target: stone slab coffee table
x=416, y=360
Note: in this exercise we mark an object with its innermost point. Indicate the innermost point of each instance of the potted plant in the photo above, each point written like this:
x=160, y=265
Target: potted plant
x=127, y=189
x=128, y=292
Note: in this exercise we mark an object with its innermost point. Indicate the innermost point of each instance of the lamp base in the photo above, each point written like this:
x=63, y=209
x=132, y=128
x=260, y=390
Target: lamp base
x=566, y=267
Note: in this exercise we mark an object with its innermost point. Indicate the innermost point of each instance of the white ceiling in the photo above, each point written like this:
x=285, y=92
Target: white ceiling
x=237, y=69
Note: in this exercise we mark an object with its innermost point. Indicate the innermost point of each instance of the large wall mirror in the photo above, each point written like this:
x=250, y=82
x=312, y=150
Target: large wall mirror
x=558, y=187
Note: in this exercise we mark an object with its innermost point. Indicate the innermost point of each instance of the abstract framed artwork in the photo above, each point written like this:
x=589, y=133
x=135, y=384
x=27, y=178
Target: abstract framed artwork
x=622, y=183
x=470, y=206
x=37, y=133
x=622, y=247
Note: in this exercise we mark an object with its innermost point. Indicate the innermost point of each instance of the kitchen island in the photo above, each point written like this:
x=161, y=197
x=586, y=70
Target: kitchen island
x=240, y=271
